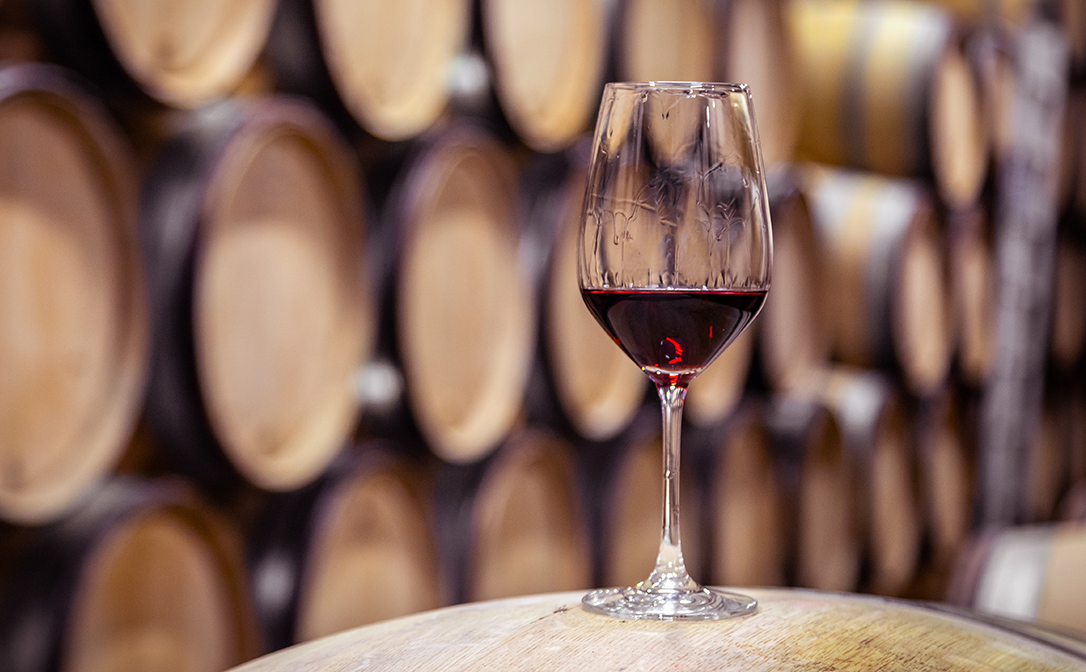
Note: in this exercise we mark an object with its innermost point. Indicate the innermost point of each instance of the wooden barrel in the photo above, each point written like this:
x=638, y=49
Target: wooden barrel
x=585, y=383
x=548, y=62
x=885, y=265
x=1068, y=330
x=73, y=317
x=792, y=332
x=876, y=437
x=754, y=47
x=253, y=236
x=946, y=431
x=514, y=524
x=315, y=552
x=819, y=493
x=886, y=88
x=142, y=577
x=665, y=40
x=1031, y=573
x=182, y=54
x=385, y=63
x=792, y=629
x=971, y=276
x=458, y=308
x=744, y=539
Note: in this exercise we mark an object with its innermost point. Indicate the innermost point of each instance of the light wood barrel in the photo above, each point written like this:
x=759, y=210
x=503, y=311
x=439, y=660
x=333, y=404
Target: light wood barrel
x=514, y=524
x=459, y=312
x=876, y=437
x=792, y=629
x=386, y=63
x=665, y=40
x=1047, y=468
x=182, y=54
x=754, y=47
x=1030, y=573
x=819, y=493
x=584, y=384
x=972, y=282
x=73, y=317
x=548, y=62
x=886, y=267
x=253, y=234
x=142, y=577
x=792, y=331
x=886, y=88
x=744, y=538
x=946, y=431
x=353, y=548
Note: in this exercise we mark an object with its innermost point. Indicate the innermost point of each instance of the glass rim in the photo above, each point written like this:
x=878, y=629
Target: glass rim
x=669, y=86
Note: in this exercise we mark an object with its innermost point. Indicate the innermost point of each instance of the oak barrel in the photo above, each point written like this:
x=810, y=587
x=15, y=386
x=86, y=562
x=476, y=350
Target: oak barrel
x=386, y=63
x=792, y=629
x=740, y=492
x=665, y=40
x=142, y=577
x=945, y=426
x=971, y=275
x=886, y=269
x=73, y=315
x=513, y=524
x=792, y=333
x=458, y=313
x=886, y=88
x=1068, y=330
x=1029, y=573
x=315, y=552
x=754, y=47
x=182, y=54
x=876, y=437
x=819, y=485
x=548, y=63
x=583, y=383
x=717, y=390
x=253, y=236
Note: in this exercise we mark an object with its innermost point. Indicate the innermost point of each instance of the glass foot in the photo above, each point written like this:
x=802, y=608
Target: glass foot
x=637, y=603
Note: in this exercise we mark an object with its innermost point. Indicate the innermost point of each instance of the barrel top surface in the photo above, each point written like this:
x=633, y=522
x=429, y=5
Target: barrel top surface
x=792, y=629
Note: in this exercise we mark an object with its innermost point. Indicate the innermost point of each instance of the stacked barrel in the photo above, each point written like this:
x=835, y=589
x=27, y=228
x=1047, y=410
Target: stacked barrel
x=291, y=340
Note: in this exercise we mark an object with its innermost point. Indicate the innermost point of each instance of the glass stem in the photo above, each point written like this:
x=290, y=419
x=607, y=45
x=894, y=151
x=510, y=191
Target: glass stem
x=670, y=573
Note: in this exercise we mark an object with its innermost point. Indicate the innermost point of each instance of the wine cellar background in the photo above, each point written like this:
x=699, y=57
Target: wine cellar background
x=290, y=336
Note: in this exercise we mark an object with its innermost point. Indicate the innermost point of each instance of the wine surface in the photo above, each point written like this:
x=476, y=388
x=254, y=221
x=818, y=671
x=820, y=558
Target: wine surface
x=673, y=334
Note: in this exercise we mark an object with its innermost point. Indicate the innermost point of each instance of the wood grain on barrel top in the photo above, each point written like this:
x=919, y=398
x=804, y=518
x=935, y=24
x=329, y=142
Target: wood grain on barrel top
x=791, y=630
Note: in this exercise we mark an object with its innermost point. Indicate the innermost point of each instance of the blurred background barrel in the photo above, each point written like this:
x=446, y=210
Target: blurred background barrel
x=886, y=88
x=457, y=306
x=514, y=524
x=385, y=63
x=142, y=577
x=548, y=62
x=971, y=276
x=877, y=440
x=887, y=278
x=182, y=54
x=254, y=242
x=352, y=548
x=668, y=40
x=819, y=485
x=584, y=383
x=73, y=317
x=1029, y=573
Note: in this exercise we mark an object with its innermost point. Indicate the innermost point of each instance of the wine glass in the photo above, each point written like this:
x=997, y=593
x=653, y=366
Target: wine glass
x=674, y=258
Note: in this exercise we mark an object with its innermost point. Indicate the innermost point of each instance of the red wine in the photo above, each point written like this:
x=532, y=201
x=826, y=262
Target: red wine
x=672, y=334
